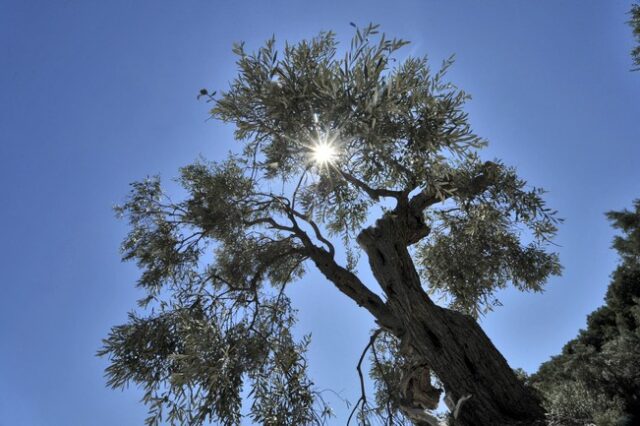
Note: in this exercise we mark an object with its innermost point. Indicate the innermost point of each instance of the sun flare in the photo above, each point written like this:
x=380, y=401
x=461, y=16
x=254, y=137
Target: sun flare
x=324, y=153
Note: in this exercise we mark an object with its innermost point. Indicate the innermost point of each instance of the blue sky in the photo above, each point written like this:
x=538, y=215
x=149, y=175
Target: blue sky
x=96, y=94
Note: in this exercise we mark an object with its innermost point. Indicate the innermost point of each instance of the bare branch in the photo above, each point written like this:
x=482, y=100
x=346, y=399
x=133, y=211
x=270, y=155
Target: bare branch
x=268, y=221
x=362, y=402
x=287, y=208
x=295, y=191
x=316, y=229
x=385, y=379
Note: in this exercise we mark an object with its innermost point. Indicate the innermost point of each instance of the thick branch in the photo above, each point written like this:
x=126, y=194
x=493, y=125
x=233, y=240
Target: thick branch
x=416, y=228
x=452, y=344
x=374, y=193
x=478, y=184
x=349, y=284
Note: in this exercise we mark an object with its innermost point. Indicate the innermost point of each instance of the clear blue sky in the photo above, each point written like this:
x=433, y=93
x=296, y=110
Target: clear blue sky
x=96, y=94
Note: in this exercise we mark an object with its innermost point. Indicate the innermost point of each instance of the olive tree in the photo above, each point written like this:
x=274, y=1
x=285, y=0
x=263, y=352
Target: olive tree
x=341, y=154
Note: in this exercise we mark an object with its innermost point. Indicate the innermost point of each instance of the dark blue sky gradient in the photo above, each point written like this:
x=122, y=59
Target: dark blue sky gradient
x=96, y=94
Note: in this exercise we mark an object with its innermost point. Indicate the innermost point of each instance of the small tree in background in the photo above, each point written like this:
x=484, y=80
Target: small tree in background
x=635, y=25
x=596, y=379
x=328, y=142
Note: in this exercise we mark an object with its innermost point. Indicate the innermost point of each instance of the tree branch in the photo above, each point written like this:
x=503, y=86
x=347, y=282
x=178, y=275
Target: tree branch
x=376, y=360
x=363, y=394
x=268, y=221
x=478, y=184
x=374, y=193
x=287, y=207
x=295, y=191
x=416, y=227
x=349, y=284
x=316, y=229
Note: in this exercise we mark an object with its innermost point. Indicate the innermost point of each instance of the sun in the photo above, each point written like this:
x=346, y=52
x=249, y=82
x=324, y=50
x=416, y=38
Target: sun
x=324, y=153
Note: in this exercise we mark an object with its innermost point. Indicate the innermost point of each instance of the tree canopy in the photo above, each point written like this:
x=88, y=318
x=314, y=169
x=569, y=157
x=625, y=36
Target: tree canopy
x=329, y=139
x=596, y=378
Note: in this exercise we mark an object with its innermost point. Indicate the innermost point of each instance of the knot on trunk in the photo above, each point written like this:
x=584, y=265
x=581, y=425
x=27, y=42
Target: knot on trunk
x=417, y=229
x=416, y=388
x=418, y=395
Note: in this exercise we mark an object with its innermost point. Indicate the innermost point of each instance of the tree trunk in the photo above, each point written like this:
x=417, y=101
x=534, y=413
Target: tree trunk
x=451, y=343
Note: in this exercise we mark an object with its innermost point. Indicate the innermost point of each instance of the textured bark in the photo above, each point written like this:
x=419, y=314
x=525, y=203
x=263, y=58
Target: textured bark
x=452, y=344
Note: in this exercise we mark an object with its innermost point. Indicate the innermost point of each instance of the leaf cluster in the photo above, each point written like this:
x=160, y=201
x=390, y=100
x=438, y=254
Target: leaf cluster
x=391, y=124
x=476, y=242
x=212, y=326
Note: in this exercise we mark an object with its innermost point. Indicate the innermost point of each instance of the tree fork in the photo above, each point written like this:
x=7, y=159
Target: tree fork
x=452, y=344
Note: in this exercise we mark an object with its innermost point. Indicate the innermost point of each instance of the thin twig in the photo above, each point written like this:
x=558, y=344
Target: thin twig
x=386, y=383
x=362, y=401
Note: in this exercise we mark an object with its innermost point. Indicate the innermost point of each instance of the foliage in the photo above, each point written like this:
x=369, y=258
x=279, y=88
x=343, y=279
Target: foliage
x=219, y=326
x=635, y=26
x=215, y=324
x=597, y=376
x=472, y=249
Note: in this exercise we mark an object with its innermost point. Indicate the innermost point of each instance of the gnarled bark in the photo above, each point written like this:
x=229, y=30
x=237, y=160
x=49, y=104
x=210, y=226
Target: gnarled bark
x=451, y=343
